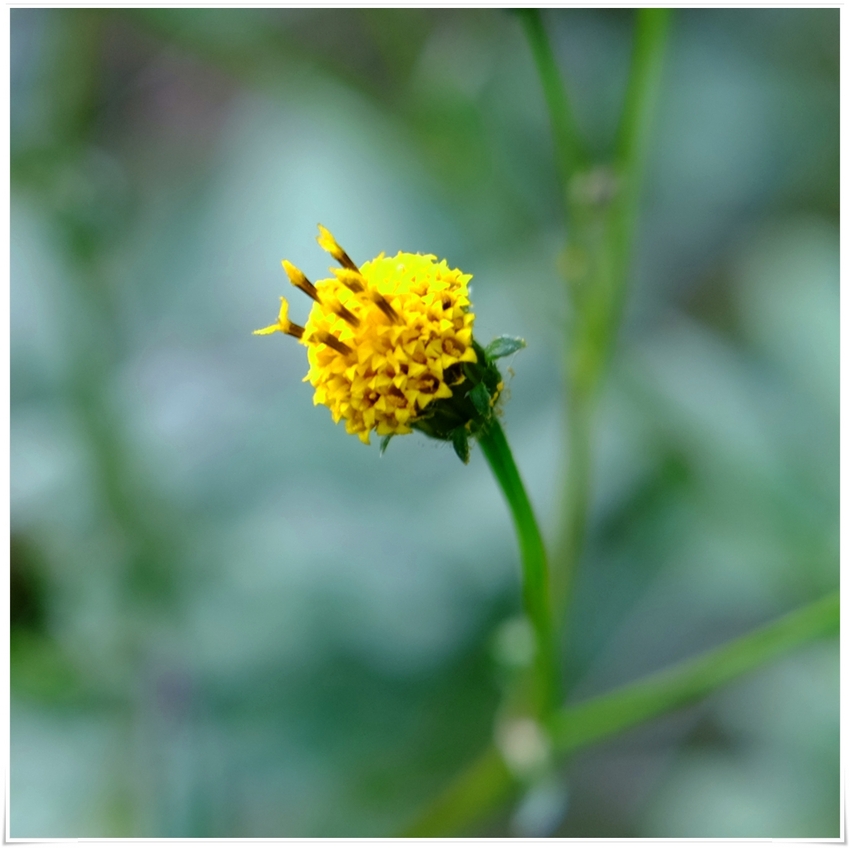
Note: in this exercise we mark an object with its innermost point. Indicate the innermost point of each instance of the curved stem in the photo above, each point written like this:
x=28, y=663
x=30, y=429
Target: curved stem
x=536, y=591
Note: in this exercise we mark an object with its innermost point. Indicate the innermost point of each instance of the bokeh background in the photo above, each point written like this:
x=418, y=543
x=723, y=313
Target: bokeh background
x=229, y=618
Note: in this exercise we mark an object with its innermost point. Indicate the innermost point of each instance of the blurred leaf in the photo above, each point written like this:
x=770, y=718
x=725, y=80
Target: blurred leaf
x=504, y=346
x=39, y=669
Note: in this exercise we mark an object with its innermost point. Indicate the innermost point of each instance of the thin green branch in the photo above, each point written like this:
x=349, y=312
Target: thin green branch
x=481, y=788
x=576, y=496
x=603, y=215
x=632, y=144
x=536, y=590
x=598, y=718
x=643, y=87
x=569, y=149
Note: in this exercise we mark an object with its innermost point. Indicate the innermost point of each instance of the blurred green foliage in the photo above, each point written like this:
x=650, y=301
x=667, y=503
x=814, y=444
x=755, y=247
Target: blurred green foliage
x=231, y=619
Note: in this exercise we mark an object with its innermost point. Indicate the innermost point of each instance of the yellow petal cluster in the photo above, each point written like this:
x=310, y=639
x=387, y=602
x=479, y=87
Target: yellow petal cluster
x=380, y=338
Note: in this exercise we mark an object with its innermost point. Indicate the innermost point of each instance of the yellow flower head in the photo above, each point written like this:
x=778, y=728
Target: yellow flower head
x=384, y=340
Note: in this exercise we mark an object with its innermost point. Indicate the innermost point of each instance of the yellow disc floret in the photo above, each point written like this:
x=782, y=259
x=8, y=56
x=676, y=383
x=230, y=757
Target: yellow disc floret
x=380, y=338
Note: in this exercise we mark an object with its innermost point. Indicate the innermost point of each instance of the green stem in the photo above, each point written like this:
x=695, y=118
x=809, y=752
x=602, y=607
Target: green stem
x=536, y=591
x=598, y=718
x=603, y=212
x=632, y=145
x=576, y=501
x=488, y=783
x=481, y=787
x=569, y=150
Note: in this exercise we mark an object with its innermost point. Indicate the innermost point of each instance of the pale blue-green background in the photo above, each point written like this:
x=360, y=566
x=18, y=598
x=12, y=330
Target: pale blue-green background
x=231, y=619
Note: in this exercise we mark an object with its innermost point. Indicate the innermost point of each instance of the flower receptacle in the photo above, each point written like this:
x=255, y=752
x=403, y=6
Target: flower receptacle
x=476, y=389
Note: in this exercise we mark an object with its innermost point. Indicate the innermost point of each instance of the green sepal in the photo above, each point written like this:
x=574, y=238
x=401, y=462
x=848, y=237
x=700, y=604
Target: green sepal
x=475, y=388
x=460, y=442
x=385, y=442
x=480, y=398
x=503, y=346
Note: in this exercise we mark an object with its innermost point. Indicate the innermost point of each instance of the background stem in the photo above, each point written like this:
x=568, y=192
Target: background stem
x=603, y=205
x=536, y=593
x=474, y=793
x=570, y=153
x=632, y=146
x=598, y=718
x=488, y=782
